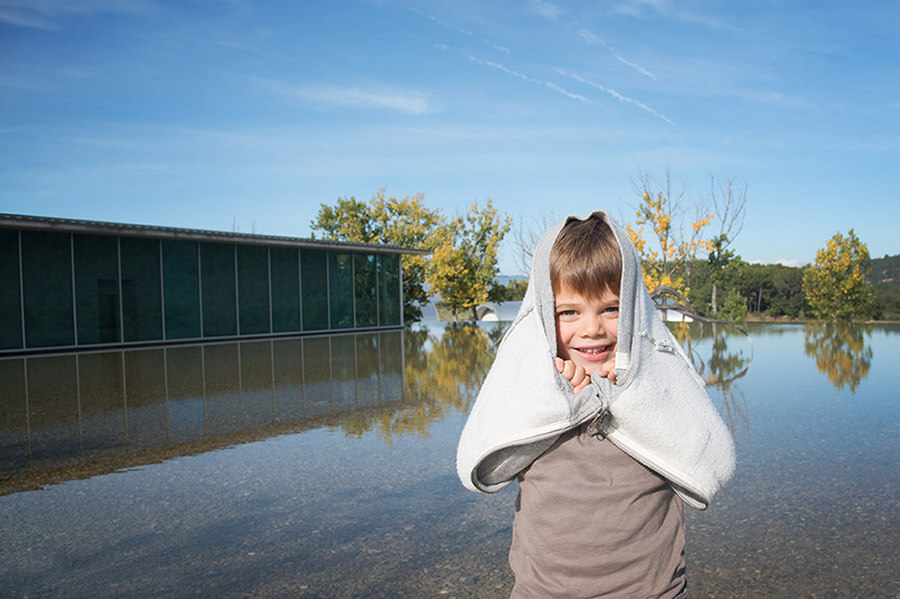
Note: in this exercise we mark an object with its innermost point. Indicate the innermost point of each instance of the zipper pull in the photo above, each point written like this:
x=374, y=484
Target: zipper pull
x=599, y=422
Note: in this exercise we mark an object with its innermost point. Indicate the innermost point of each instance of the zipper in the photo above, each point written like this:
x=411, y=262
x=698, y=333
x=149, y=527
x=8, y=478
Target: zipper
x=599, y=422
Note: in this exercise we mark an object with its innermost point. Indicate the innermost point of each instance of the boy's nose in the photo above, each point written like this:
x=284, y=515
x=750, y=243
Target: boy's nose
x=591, y=326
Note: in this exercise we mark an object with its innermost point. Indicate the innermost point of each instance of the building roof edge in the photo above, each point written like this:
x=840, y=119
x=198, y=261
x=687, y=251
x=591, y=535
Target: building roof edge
x=47, y=223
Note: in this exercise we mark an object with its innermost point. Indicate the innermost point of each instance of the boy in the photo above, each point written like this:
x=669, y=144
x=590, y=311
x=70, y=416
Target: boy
x=592, y=405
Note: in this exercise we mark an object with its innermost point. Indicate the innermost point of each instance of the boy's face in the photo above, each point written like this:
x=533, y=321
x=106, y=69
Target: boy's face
x=586, y=327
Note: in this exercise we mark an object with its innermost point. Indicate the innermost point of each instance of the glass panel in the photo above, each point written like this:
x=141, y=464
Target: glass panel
x=217, y=280
x=141, y=301
x=184, y=383
x=253, y=288
x=97, y=288
x=288, y=383
x=102, y=405
x=145, y=398
x=285, y=273
x=343, y=372
x=53, y=412
x=389, y=308
x=316, y=376
x=10, y=307
x=365, y=289
x=47, y=289
x=223, y=389
x=367, y=366
x=391, y=365
x=13, y=418
x=257, y=407
x=181, y=289
x=340, y=279
x=314, y=287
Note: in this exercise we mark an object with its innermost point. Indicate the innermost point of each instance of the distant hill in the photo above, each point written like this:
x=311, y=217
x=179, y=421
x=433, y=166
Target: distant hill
x=885, y=278
x=885, y=271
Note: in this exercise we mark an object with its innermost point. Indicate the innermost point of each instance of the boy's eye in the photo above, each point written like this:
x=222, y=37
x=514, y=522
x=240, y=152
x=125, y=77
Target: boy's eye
x=611, y=312
x=566, y=313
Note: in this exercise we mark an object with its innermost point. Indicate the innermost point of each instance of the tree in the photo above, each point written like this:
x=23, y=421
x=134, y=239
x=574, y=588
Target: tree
x=722, y=262
x=388, y=220
x=464, y=263
x=728, y=200
x=835, y=285
x=513, y=291
x=735, y=307
x=528, y=233
x=668, y=257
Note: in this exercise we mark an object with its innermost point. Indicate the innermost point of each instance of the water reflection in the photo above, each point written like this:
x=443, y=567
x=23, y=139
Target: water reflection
x=841, y=352
x=78, y=414
x=452, y=363
x=362, y=499
x=721, y=355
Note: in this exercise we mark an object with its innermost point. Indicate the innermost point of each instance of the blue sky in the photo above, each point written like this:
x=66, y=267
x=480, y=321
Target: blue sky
x=240, y=115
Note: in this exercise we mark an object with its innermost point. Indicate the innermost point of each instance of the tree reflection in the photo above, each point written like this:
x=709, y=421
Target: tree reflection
x=720, y=370
x=840, y=352
x=444, y=368
x=450, y=367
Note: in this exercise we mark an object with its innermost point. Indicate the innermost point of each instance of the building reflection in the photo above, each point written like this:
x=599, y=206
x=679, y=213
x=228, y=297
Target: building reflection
x=73, y=415
x=841, y=351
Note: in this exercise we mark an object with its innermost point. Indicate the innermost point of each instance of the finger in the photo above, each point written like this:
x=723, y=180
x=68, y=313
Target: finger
x=580, y=379
x=579, y=375
x=578, y=388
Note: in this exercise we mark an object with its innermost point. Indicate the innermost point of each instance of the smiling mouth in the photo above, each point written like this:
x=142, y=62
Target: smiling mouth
x=594, y=351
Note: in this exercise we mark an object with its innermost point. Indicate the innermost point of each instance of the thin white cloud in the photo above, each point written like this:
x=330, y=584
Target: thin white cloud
x=637, y=8
x=636, y=67
x=591, y=38
x=544, y=9
x=459, y=30
x=410, y=102
x=666, y=9
x=497, y=47
x=500, y=67
x=47, y=14
x=614, y=94
x=565, y=92
x=524, y=77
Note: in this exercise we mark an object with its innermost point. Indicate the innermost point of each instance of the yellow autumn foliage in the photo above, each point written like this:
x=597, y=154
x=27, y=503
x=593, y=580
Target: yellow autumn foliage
x=835, y=285
x=668, y=253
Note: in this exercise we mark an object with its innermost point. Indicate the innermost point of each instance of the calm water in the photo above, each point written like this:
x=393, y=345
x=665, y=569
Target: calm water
x=324, y=467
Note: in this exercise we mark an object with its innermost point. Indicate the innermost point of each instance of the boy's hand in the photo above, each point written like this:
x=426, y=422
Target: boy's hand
x=607, y=370
x=575, y=374
x=581, y=379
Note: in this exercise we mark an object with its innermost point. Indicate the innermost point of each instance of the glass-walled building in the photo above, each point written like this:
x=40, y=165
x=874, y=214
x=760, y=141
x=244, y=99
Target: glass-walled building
x=70, y=283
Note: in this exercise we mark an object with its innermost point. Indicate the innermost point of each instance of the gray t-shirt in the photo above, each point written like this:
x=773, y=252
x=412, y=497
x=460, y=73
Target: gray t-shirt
x=593, y=522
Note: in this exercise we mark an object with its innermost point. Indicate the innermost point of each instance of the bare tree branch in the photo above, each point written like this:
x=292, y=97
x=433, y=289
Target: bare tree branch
x=526, y=235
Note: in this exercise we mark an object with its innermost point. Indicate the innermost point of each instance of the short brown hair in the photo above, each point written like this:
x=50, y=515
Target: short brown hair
x=586, y=258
